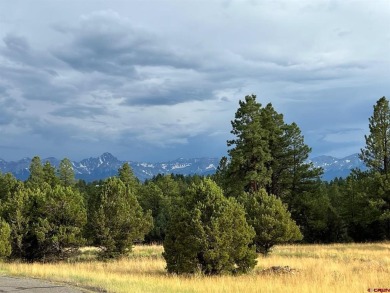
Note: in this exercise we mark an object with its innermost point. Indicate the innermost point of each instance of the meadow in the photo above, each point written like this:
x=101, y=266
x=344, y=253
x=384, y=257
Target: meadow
x=312, y=268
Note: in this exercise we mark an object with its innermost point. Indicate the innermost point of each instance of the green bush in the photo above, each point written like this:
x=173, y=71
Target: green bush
x=118, y=220
x=208, y=234
x=5, y=239
x=46, y=223
x=270, y=219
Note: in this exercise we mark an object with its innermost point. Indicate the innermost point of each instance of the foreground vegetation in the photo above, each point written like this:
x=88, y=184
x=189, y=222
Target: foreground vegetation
x=314, y=268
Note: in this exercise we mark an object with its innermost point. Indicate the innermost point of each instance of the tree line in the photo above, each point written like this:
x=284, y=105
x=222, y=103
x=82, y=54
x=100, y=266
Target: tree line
x=265, y=192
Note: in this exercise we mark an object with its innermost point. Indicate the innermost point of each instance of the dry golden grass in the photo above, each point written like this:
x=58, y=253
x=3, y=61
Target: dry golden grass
x=321, y=268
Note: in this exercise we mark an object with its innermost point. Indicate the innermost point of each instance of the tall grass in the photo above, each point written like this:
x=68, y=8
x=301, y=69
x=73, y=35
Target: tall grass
x=318, y=268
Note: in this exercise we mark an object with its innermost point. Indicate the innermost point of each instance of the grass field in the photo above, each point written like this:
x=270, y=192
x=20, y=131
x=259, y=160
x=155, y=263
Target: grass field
x=316, y=268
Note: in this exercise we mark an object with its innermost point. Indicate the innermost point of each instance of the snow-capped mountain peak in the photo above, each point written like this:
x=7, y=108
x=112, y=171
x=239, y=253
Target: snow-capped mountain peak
x=335, y=167
x=107, y=165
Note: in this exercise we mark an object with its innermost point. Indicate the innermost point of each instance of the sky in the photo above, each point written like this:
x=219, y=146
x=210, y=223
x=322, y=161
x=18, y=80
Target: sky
x=158, y=80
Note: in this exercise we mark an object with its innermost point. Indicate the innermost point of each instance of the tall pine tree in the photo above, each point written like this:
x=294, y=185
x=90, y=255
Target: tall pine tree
x=267, y=153
x=37, y=176
x=49, y=174
x=66, y=173
x=250, y=155
x=126, y=175
x=376, y=154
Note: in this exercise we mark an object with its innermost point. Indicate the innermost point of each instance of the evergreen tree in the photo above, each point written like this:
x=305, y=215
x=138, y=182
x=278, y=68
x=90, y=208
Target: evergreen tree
x=49, y=174
x=221, y=174
x=5, y=239
x=152, y=198
x=250, y=155
x=17, y=212
x=118, y=219
x=334, y=190
x=358, y=206
x=273, y=125
x=270, y=219
x=91, y=196
x=297, y=175
x=381, y=200
x=364, y=204
x=208, y=233
x=66, y=173
x=8, y=184
x=267, y=153
x=125, y=173
x=318, y=219
x=58, y=227
x=45, y=223
x=37, y=177
x=376, y=154
x=168, y=185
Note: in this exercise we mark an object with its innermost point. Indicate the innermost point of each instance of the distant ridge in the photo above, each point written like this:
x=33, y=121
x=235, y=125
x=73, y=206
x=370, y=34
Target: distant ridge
x=334, y=167
x=107, y=165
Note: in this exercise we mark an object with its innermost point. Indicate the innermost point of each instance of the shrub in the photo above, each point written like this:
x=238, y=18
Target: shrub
x=5, y=239
x=270, y=219
x=118, y=219
x=208, y=233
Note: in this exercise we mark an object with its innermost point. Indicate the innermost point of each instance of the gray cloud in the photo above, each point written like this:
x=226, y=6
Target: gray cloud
x=119, y=76
x=132, y=63
x=83, y=112
x=16, y=44
x=38, y=85
x=106, y=42
x=9, y=107
x=31, y=72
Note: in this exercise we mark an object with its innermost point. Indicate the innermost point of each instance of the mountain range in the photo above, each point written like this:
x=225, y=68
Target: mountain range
x=107, y=165
x=334, y=167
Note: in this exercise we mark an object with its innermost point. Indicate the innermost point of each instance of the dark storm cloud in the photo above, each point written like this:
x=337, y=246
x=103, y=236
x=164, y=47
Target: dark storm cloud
x=19, y=51
x=32, y=72
x=106, y=42
x=16, y=44
x=80, y=111
x=9, y=107
x=171, y=92
x=37, y=84
x=132, y=63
